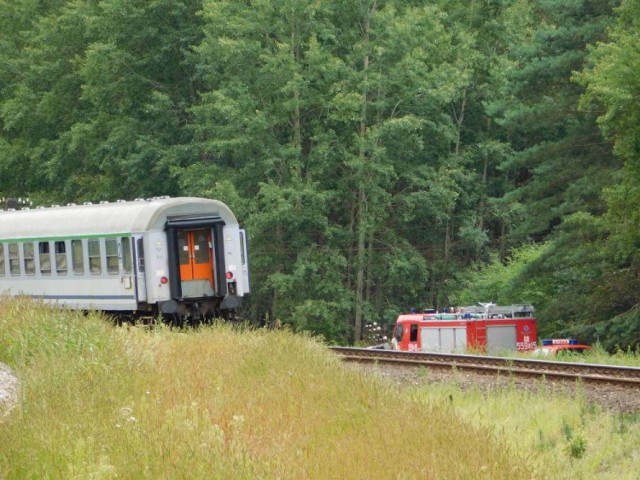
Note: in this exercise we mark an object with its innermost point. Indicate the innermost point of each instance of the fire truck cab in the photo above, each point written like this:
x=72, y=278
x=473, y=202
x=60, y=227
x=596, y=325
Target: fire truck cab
x=486, y=328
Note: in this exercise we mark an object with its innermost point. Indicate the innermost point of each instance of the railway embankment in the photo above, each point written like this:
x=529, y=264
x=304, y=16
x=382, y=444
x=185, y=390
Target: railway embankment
x=611, y=387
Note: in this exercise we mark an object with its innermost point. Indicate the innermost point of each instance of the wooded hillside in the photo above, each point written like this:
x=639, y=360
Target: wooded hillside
x=383, y=154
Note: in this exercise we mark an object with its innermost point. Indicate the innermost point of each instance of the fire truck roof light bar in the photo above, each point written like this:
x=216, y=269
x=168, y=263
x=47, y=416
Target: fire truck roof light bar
x=559, y=341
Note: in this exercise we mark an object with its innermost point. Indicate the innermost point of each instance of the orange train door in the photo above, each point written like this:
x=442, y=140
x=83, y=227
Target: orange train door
x=196, y=262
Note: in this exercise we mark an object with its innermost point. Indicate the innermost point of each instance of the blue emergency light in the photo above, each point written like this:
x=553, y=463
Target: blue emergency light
x=559, y=341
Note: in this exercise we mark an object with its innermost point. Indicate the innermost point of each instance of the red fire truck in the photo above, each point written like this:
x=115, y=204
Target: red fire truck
x=486, y=328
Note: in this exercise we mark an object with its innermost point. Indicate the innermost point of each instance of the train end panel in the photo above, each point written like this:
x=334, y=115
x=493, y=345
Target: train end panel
x=180, y=256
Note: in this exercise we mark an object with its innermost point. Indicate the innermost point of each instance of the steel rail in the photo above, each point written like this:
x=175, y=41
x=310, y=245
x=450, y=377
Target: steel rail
x=627, y=376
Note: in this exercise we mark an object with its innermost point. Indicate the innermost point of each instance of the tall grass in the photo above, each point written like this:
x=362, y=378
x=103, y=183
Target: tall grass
x=561, y=436
x=221, y=402
x=596, y=355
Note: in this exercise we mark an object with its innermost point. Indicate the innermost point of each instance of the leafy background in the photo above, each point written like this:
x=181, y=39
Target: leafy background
x=383, y=154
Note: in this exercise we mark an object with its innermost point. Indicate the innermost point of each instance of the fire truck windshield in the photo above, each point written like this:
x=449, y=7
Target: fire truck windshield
x=397, y=333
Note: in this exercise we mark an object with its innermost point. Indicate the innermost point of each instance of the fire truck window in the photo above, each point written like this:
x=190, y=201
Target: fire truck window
x=398, y=332
x=414, y=333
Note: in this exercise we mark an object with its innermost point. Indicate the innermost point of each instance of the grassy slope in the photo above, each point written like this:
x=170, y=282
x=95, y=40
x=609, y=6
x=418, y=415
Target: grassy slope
x=104, y=402
x=563, y=437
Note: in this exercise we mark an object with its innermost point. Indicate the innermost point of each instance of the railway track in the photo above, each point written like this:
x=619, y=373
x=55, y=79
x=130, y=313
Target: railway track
x=518, y=367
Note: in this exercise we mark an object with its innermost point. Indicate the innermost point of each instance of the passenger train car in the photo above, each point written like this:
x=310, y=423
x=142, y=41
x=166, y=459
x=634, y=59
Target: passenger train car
x=182, y=257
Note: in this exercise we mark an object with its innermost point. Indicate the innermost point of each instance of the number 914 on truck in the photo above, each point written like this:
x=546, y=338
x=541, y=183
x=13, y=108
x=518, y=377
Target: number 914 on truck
x=485, y=328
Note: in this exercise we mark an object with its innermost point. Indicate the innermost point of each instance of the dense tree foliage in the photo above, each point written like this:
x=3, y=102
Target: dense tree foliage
x=613, y=86
x=559, y=162
x=382, y=153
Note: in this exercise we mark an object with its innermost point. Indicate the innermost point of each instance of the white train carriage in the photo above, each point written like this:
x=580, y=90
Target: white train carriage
x=177, y=256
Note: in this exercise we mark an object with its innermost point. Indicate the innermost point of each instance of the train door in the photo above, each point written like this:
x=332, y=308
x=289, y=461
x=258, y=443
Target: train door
x=195, y=254
x=126, y=263
x=139, y=269
x=244, y=258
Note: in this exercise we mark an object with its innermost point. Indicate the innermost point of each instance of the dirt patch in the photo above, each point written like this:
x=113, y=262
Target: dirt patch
x=9, y=390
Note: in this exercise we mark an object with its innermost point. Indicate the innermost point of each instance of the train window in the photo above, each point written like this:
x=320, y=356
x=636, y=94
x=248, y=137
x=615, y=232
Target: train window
x=111, y=246
x=1, y=259
x=45, y=258
x=243, y=259
x=413, y=336
x=29, y=258
x=94, y=257
x=140, y=249
x=183, y=248
x=126, y=254
x=77, y=257
x=61, y=258
x=201, y=246
x=14, y=259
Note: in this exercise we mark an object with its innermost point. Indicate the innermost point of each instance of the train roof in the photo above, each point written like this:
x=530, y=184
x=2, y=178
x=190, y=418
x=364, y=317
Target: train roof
x=108, y=217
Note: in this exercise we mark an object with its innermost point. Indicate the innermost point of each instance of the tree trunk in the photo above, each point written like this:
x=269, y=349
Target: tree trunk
x=360, y=265
x=363, y=221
